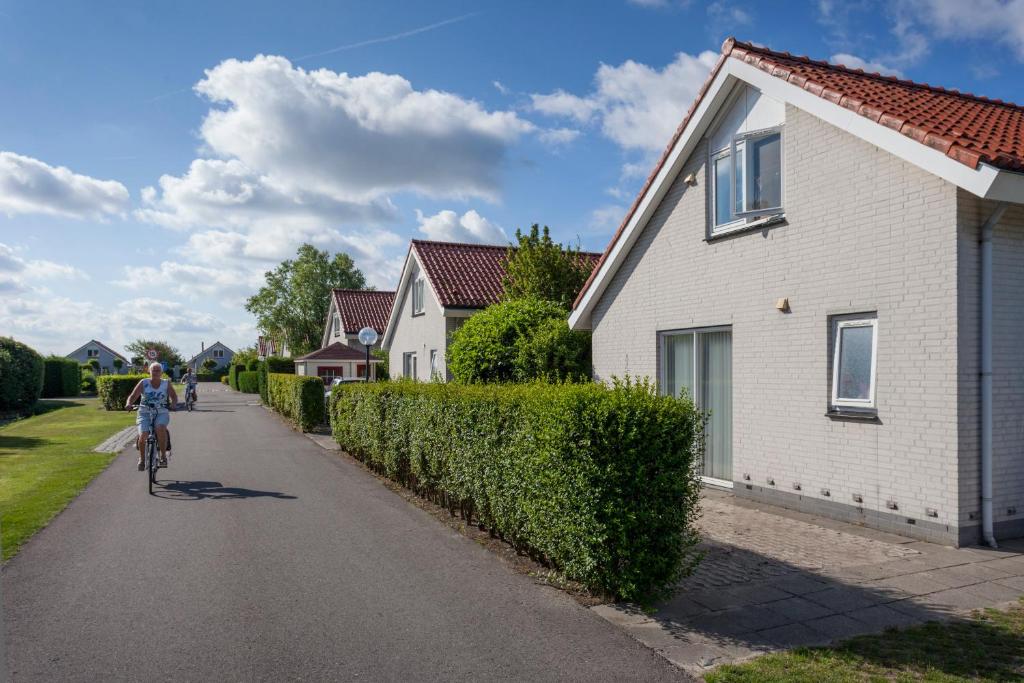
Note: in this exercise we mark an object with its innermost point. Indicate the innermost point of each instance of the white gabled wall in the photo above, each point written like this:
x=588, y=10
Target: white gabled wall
x=419, y=333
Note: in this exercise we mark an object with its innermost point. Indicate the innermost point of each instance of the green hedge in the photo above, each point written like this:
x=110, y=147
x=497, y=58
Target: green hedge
x=600, y=482
x=249, y=382
x=269, y=365
x=88, y=383
x=298, y=398
x=233, y=375
x=61, y=377
x=21, y=376
x=114, y=390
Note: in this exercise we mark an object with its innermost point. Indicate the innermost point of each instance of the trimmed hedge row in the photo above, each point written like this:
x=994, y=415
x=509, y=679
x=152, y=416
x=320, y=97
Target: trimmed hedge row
x=233, y=375
x=249, y=382
x=21, y=375
x=114, y=390
x=599, y=482
x=298, y=398
x=61, y=377
x=269, y=365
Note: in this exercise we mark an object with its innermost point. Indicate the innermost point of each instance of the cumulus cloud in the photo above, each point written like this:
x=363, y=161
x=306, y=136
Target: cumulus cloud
x=448, y=226
x=1000, y=20
x=605, y=219
x=19, y=274
x=558, y=136
x=637, y=106
x=28, y=185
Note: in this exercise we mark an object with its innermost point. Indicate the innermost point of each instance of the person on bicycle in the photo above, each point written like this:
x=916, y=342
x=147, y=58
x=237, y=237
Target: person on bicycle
x=157, y=399
x=189, y=379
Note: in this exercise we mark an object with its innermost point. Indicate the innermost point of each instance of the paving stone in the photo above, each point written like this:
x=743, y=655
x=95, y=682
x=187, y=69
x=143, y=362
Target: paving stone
x=968, y=575
x=920, y=611
x=800, y=584
x=717, y=599
x=681, y=607
x=1011, y=565
x=881, y=617
x=1015, y=582
x=621, y=615
x=697, y=657
x=991, y=593
x=799, y=609
x=838, y=627
x=845, y=598
x=736, y=621
x=954, y=600
x=794, y=635
x=921, y=583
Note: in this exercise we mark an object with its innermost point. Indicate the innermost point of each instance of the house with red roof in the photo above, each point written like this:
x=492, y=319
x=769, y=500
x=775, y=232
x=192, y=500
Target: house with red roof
x=441, y=286
x=353, y=309
x=830, y=263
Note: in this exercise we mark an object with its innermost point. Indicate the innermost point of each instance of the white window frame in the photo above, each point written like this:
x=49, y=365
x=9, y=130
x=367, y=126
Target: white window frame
x=409, y=364
x=417, y=295
x=92, y=353
x=738, y=148
x=837, y=327
x=337, y=324
x=218, y=353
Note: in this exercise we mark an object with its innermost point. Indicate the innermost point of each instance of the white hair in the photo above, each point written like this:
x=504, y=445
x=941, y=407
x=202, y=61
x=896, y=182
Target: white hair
x=157, y=365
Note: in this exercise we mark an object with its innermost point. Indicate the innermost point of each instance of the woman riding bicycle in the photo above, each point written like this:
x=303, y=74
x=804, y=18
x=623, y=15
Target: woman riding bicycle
x=157, y=400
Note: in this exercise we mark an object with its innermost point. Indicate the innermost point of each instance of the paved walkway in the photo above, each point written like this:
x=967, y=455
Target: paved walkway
x=775, y=579
x=265, y=557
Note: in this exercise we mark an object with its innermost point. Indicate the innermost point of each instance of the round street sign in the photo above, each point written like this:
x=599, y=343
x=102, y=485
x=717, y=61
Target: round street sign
x=151, y=354
x=367, y=336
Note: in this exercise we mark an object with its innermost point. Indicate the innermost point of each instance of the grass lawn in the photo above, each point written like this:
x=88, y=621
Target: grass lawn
x=987, y=647
x=45, y=460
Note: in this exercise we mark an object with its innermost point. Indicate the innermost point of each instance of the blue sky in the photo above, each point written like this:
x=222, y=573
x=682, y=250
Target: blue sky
x=156, y=158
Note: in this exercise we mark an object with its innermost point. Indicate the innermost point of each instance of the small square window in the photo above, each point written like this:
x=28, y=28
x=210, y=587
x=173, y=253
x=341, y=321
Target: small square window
x=854, y=361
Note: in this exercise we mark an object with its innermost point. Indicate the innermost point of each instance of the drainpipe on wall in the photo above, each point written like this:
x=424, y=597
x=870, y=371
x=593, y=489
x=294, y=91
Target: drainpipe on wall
x=986, y=373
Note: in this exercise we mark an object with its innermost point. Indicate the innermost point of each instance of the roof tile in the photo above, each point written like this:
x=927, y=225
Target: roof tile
x=361, y=308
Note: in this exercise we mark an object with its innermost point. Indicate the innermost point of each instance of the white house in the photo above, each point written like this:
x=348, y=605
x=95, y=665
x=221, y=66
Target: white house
x=831, y=263
x=336, y=360
x=353, y=309
x=103, y=354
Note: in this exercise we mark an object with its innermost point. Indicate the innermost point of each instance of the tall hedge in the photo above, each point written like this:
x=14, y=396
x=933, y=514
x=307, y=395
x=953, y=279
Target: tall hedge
x=61, y=377
x=598, y=481
x=249, y=382
x=233, y=375
x=114, y=390
x=272, y=364
x=21, y=375
x=298, y=398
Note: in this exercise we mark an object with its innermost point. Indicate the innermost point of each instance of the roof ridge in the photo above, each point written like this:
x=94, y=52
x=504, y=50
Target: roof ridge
x=732, y=44
x=362, y=291
x=474, y=245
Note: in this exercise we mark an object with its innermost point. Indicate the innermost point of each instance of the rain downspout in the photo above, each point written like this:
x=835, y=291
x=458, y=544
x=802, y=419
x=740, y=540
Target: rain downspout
x=986, y=373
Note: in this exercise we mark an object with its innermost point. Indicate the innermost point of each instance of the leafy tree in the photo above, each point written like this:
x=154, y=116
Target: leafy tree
x=519, y=341
x=541, y=268
x=118, y=364
x=165, y=353
x=245, y=356
x=94, y=364
x=292, y=305
x=209, y=364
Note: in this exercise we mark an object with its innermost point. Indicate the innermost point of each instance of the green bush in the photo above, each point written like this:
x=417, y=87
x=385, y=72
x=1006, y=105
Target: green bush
x=21, y=376
x=519, y=341
x=224, y=379
x=61, y=377
x=252, y=365
x=298, y=398
x=233, y=375
x=600, y=482
x=272, y=364
x=114, y=390
x=218, y=375
x=87, y=385
x=249, y=382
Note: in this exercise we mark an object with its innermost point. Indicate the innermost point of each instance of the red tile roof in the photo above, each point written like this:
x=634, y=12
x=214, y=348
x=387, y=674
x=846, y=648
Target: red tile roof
x=968, y=128
x=361, y=308
x=336, y=351
x=467, y=275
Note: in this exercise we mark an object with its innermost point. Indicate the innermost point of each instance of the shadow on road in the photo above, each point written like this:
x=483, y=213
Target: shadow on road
x=212, y=490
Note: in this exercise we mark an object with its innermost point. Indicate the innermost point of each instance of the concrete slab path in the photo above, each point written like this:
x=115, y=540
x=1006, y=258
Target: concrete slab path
x=265, y=557
x=776, y=579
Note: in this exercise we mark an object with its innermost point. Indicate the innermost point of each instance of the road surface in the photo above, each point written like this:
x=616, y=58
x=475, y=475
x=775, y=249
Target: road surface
x=265, y=557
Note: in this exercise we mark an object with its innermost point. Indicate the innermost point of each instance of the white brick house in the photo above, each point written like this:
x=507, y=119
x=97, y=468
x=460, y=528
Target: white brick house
x=802, y=204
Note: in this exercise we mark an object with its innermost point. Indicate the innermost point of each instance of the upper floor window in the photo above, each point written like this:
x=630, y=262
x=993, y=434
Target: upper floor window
x=417, y=296
x=337, y=325
x=218, y=353
x=854, y=359
x=92, y=353
x=746, y=179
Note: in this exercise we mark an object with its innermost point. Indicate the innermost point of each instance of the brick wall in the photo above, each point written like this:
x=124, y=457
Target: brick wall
x=866, y=232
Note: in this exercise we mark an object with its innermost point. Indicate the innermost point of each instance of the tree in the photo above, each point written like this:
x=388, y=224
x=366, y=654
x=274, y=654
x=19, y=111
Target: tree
x=209, y=364
x=292, y=305
x=245, y=356
x=519, y=341
x=165, y=353
x=118, y=364
x=94, y=364
x=541, y=268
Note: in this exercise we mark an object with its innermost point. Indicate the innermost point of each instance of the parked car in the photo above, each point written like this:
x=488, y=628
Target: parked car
x=340, y=380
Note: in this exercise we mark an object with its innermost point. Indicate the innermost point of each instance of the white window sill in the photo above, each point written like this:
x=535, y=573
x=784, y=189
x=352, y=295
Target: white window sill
x=738, y=227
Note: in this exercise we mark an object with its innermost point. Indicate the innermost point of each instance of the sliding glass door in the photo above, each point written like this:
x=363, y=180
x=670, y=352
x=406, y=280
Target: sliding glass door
x=698, y=364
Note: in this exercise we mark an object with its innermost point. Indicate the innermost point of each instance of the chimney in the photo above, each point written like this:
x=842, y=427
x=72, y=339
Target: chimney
x=202, y=346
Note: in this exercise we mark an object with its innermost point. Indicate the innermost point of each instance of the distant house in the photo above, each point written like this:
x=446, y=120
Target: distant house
x=102, y=353
x=221, y=354
x=830, y=263
x=267, y=347
x=353, y=309
x=442, y=284
x=336, y=360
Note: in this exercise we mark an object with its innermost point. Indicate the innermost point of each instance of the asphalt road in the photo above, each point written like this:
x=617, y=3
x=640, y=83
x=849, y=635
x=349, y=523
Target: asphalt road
x=264, y=557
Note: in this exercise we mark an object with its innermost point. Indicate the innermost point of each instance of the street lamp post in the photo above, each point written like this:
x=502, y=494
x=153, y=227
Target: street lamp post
x=367, y=337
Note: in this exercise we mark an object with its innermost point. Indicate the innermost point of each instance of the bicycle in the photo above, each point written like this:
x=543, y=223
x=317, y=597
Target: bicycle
x=151, y=457
x=190, y=400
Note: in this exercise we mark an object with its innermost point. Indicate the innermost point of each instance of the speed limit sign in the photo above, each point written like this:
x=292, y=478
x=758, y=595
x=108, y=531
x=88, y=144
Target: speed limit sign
x=151, y=354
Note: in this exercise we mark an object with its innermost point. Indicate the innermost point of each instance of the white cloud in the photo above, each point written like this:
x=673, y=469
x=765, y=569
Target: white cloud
x=448, y=226
x=28, y=185
x=500, y=87
x=638, y=107
x=19, y=274
x=606, y=218
x=1000, y=20
x=353, y=138
x=855, y=62
x=558, y=136
x=725, y=16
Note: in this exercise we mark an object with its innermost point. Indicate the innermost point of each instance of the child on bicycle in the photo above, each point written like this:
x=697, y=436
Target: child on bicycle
x=189, y=379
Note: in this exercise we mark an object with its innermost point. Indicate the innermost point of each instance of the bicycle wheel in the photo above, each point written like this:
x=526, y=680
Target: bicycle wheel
x=151, y=461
